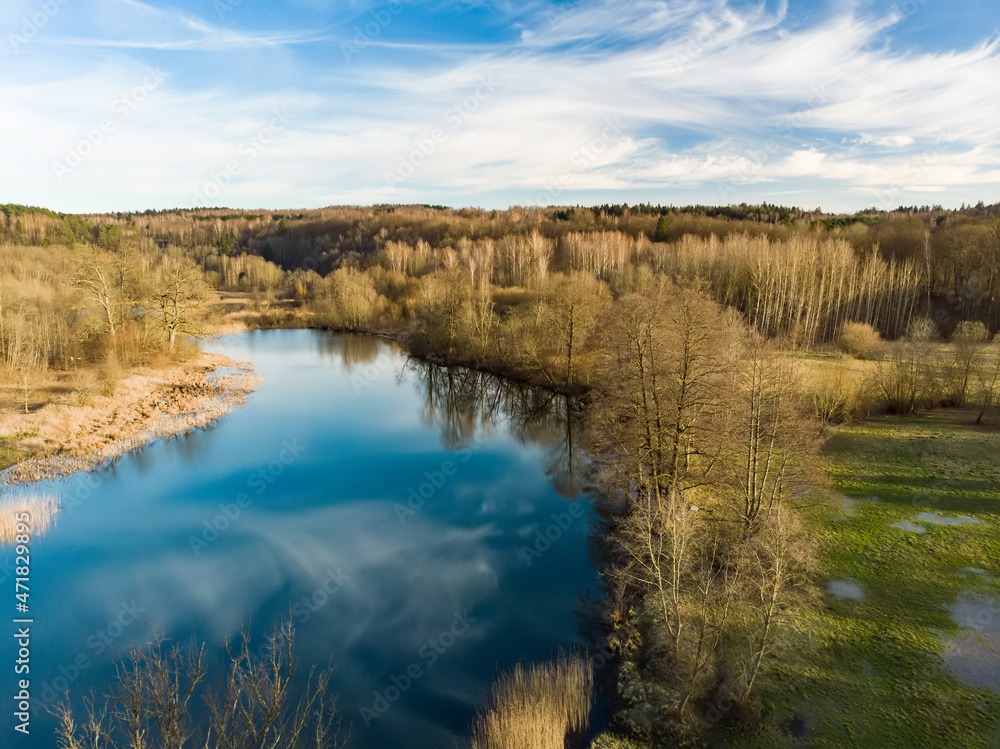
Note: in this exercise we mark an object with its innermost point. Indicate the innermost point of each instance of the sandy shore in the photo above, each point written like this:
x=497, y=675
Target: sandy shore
x=147, y=405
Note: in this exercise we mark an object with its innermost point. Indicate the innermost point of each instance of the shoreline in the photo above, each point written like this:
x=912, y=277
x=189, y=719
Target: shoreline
x=148, y=405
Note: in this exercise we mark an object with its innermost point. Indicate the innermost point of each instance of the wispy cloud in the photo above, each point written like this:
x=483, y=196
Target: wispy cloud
x=704, y=93
x=136, y=25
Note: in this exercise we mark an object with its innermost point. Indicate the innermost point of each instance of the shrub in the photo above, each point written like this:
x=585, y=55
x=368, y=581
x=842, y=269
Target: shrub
x=859, y=339
x=839, y=396
x=110, y=375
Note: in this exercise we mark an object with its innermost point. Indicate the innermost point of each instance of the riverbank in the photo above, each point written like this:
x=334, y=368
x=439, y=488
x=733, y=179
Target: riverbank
x=63, y=436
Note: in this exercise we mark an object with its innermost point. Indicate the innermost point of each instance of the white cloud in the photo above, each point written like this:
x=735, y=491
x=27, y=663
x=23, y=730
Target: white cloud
x=705, y=95
x=888, y=141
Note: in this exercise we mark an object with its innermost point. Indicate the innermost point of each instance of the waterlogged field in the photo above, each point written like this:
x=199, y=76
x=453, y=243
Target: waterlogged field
x=423, y=529
x=907, y=638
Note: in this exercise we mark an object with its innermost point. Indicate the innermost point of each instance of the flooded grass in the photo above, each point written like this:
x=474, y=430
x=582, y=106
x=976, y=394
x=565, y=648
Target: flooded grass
x=902, y=667
x=935, y=519
x=848, y=589
x=973, y=654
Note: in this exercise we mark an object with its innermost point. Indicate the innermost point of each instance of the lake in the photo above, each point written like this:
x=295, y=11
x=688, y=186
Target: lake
x=394, y=510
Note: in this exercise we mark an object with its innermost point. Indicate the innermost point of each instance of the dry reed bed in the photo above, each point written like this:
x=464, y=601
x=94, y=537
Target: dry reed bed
x=145, y=409
x=536, y=707
x=42, y=507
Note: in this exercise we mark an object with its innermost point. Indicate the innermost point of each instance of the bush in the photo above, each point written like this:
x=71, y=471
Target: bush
x=839, y=396
x=859, y=339
x=110, y=375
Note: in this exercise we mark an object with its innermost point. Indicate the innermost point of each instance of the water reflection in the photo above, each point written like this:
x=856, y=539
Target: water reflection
x=973, y=654
x=161, y=532
x=461, y=402
x=19, y=508
x=352, y=350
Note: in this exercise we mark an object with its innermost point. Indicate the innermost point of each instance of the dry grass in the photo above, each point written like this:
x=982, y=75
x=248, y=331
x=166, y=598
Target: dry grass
x=147, y=406
x=535, y=707
x=43, y=509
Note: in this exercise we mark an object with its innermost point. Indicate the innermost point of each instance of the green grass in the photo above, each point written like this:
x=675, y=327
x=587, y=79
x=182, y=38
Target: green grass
x=877, y=679
x=11, y=451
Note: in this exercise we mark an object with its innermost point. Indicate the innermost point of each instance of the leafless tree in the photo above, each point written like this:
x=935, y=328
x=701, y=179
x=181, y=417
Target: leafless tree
x=178, y=291
x=95, y=275
x=154, y=702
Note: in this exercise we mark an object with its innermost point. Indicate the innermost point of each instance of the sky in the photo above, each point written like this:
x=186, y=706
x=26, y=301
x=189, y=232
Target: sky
x=118, y=105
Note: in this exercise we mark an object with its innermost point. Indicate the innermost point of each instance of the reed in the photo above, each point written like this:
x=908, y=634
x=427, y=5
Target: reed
x=536, y=707
x=42, y=507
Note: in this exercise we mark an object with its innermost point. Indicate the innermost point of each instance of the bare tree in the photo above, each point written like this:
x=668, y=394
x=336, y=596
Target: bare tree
x=573, y=304
x=771, y=561
x=766, y=441
x=354, y=297
x=95, y=275
x=178, y=290
x=988, y=380
x=154, y=703
x=969, y=343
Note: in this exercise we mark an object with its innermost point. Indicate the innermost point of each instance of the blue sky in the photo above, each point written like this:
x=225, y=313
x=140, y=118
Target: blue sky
x=132, y=104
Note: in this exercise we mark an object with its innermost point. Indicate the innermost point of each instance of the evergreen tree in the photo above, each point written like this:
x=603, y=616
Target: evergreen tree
x=660, y=235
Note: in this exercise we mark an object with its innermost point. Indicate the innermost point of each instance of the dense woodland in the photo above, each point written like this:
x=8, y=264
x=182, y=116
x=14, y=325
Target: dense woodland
x=675, y=324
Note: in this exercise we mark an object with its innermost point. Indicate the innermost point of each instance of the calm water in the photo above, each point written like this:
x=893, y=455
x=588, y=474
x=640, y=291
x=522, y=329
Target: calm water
x=386, y=506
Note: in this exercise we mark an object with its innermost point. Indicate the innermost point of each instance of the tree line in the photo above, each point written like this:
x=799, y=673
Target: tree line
x=675, y=325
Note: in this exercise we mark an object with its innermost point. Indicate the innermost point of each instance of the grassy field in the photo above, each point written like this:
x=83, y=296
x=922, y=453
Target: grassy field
x=879, y=679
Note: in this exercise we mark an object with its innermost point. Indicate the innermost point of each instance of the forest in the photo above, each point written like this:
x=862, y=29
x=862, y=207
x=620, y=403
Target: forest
x=717, y=352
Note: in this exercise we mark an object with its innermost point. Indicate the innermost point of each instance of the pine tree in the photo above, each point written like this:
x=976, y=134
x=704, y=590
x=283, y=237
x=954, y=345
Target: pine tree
x=660, y=235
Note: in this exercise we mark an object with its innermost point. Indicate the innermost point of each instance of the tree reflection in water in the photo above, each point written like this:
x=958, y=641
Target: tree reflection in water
x=462, y=402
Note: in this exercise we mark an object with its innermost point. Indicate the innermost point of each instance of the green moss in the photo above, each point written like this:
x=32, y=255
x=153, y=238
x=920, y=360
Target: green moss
x=880, y=680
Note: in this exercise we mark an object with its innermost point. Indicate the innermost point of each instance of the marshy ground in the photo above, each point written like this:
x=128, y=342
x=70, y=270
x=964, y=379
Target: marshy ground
x=908, y=628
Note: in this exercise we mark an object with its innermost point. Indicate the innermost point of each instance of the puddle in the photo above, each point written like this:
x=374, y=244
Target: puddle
x=845, y=588
x=933, y=517
x=848, y=506
x=909, y=525
x=974, y=655
x=913, y=526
